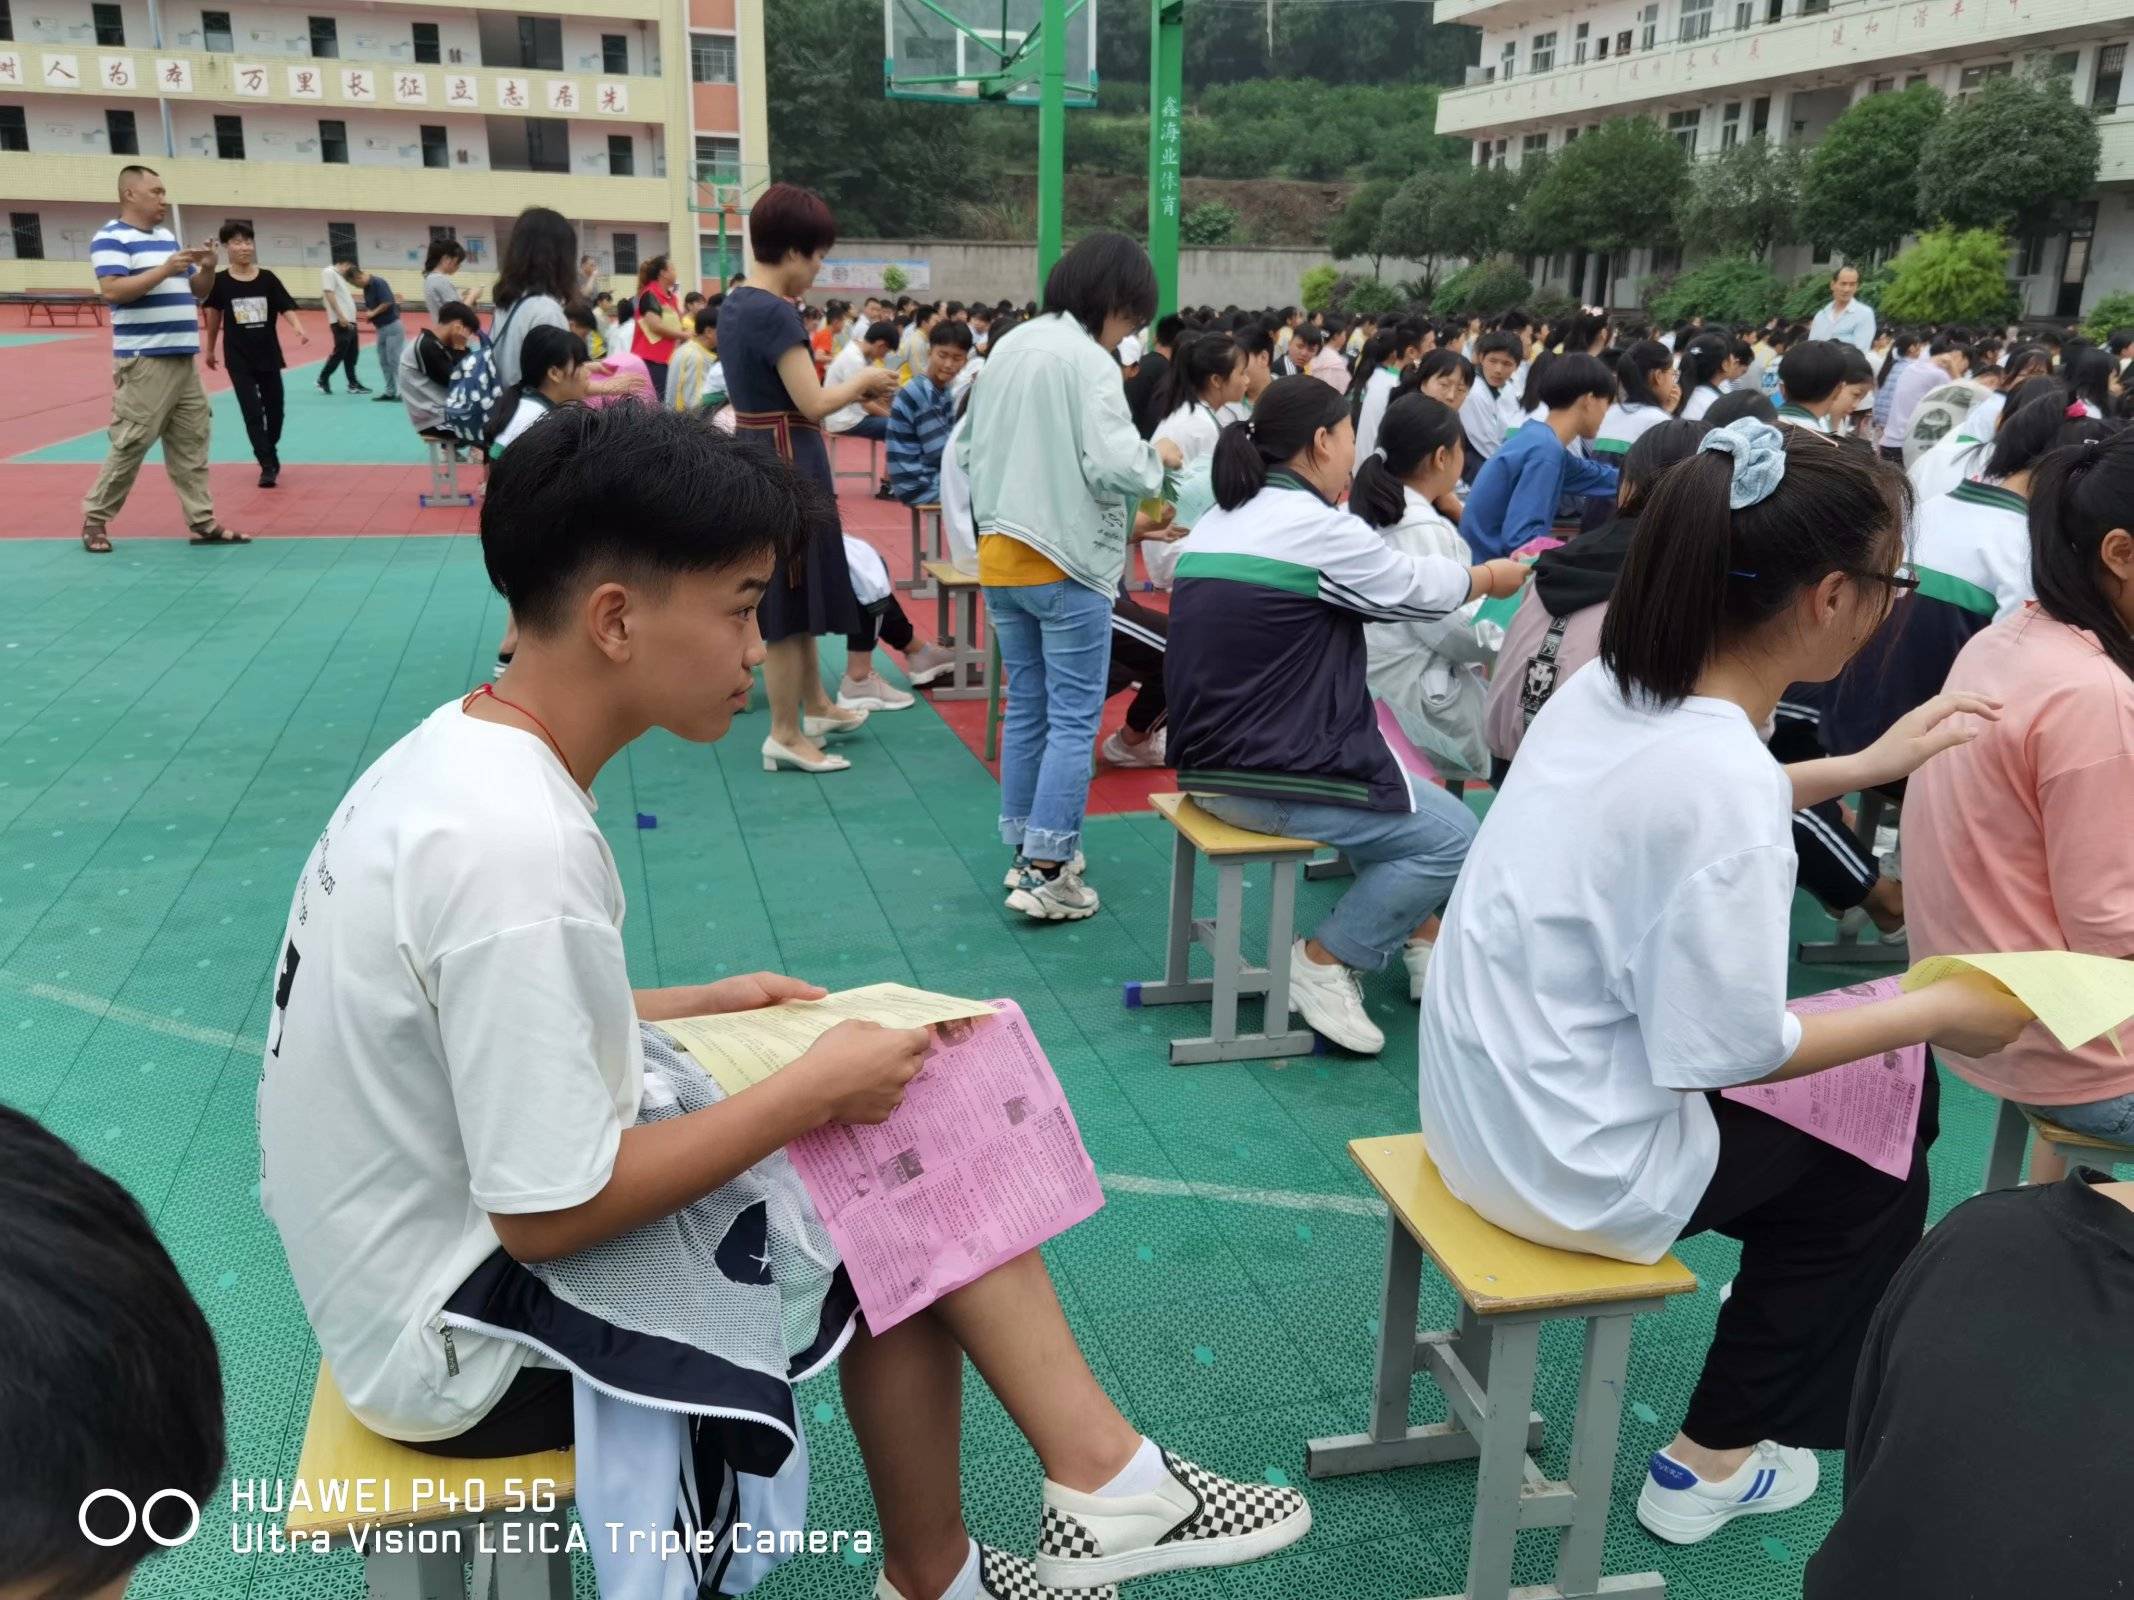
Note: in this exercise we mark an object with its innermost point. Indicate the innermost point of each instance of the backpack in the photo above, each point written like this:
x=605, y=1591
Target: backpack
x=478, y=393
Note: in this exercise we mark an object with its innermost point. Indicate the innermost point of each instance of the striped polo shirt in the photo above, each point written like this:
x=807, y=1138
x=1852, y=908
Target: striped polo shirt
x=166, y=320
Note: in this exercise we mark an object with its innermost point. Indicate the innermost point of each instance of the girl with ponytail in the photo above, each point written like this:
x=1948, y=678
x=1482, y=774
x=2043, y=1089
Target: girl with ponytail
x=1371, y=388
x=2018, y=841
x=1697, y=375
x=1645, y=374
x=1618, y=946
x=1207, y=375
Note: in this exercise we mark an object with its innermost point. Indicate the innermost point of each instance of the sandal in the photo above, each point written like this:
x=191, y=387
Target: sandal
x=95, y=540
x=218, y=535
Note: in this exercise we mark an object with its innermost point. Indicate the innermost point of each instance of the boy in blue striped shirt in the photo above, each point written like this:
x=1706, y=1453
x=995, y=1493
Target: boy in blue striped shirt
x=155, y=333
x=922, y=415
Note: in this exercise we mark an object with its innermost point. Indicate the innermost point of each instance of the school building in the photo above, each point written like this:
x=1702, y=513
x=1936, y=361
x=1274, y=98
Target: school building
x=375, y=127
x=1716, y=72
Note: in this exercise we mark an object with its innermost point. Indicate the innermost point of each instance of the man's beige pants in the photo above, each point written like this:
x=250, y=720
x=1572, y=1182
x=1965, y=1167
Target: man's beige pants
x=155, y=397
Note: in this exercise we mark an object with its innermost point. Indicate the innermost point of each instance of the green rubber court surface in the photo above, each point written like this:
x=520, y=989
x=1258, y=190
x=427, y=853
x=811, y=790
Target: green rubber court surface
x=174, y=726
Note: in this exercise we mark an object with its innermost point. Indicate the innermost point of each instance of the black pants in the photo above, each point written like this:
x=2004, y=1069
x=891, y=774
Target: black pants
x=1138, y=637
x=259, y=397
x=881, y=621
x=344, y=355
x=1822, y=1233
x=1829, y=862
x=657, y=371
x=534, y=1415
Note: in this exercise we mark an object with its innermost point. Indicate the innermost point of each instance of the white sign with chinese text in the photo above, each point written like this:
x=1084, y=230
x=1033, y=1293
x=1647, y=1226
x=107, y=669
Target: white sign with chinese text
x=249, y=78
x=612, y=98
x=307, y=83
x=411, y=88
x=174, y=76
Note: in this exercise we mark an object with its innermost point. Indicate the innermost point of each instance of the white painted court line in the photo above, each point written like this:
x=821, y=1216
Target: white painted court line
x=132, y=1016
x=1351, y=1205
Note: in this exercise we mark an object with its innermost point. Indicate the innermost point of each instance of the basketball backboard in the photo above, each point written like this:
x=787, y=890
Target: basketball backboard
x=965, y=50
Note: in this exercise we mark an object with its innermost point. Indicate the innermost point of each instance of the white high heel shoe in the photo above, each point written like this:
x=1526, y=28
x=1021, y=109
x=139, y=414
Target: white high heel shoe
x=831, y=727
x=776, y=755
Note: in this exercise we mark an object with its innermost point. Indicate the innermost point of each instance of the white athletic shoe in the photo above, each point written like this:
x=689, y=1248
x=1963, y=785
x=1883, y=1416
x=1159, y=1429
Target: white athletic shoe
x=1331, y=1003
x=1191, y=1519
x=1680, y=1507
x=872, y=693
x=928, y=663
x=1151, y=752
x=1022, y=864
x=1415, y=955
x=1002, y=1576
x=1063, y=897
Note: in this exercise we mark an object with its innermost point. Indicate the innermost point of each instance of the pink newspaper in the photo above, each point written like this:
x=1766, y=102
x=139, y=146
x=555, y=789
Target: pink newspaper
x=981, y=1162
x=1869, y=1109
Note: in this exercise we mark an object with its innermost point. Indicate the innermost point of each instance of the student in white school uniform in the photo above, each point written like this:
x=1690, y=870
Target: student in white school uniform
x=1378, y=372
x=555, y=363
x=1617, y=950
x=1206, y=379
x=1698, y=366
x=1645, y=374
x=1811, y=381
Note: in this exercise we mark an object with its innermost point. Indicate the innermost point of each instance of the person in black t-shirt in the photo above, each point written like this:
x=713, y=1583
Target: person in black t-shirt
x=242, y=307
x=1986, y=1455
x=1142, y=387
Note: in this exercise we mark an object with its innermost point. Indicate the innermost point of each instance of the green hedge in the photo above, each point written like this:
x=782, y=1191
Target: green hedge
x=1484, y=288
x=1731, y=289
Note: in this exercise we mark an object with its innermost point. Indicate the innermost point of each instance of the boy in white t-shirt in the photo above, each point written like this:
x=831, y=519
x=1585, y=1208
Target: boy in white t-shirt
x=454, y=1067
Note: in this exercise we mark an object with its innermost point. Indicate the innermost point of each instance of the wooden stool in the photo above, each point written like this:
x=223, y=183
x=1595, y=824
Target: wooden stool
x=920, y=584
x=507, y=1516
x=950, y=586
x=1232, y=850
x=2011, y=1135
x=1855, y=942
x=1508, y=1288
x=872, y=472
x=444, y=487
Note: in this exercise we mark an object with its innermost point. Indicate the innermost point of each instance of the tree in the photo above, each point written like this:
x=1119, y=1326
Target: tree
x=1420, y=216
x=1860, y=188
x=1744, y=200
x=1612, y=190
x=1355, y=232
x=2109, y=315
x=1210, y=222
x=1476, y=219
x=1951, y=275
x=2015, y=155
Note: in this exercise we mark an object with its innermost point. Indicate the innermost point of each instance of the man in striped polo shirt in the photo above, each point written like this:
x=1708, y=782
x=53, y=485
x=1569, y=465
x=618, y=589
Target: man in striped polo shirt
x=154, y=290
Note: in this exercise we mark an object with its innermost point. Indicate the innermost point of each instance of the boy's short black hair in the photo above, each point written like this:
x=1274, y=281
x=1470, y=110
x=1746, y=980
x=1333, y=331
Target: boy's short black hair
x=1570, y=379
x=946, y=332
x=695, y=298
x=883, y=330
x=112, y=1376
x=1812, y=370
x=235, y=230
x=465, y=316
x=1168, y=327
x=1105, y=274
x=1499, y=343
x=1738, y=403
x=636, y=491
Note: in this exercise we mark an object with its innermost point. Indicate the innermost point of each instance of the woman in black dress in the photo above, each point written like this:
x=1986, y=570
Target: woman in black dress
x=780, y=402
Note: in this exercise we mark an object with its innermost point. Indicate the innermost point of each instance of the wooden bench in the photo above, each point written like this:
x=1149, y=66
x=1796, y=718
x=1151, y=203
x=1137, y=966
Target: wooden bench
x=79, y=305
x=1232, y=850
x=960, y=635
x=1485, y=1367
x=1856, y=942
x=2011, y=1137
x=506, y=1517
x=921, y=584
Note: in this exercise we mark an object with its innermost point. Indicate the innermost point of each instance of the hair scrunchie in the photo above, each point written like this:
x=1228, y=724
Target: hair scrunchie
x=1759, y=452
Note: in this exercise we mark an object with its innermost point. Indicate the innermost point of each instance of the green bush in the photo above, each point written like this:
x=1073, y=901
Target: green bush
x=1805, y=296
x=1326, y=151
x=1552, y=305
x=1951, y=275
x=1211, y=222
x=1730, y=289
x=1097, y=143
x=894, y=279
x=1485, y=288
x=2109, y=315
x=1316, y=287
x=1357, y=296
x=1416, y=291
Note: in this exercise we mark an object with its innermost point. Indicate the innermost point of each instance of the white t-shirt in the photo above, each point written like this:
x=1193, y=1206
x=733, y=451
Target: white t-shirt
x=846, y=365
x=1617, y=942
x=454, y=1037
x=1193, y=427
x=532, y=408
x=335, y=295
x=1701, y=399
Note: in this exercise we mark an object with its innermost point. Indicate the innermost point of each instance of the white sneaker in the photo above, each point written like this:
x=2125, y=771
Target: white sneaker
x=1331, y=1003
x=928, y=663
x=1002, y=1576
x=871, y=693
x=1022, y=864
x=1415, y=955
x=1191, y=1519
x=1151, y=752
x=1680, y=1507
x=1064, y=897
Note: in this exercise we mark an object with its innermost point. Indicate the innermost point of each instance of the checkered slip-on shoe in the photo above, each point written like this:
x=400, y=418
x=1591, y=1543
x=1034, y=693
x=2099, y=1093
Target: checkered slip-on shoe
x=1192, y=1519
x=1002, y=1576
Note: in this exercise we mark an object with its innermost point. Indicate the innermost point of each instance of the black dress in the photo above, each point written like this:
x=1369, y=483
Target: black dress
x=812, y=593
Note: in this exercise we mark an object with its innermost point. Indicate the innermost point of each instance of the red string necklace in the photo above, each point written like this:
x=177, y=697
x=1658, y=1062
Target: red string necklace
x=490, y=691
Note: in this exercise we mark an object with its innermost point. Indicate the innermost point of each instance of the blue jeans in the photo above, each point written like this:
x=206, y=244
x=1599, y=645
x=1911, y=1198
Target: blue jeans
x=1405, y=862
x=2111, y=1119
x=1055, y=644
x=392, y=339
x=866, y=428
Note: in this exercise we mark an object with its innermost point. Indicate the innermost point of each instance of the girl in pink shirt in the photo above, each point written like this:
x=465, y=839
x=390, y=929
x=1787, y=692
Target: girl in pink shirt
x=2019, y=839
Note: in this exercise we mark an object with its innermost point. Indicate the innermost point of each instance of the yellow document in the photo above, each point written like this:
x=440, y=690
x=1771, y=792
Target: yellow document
x=740, y=1048
x=2078, y=997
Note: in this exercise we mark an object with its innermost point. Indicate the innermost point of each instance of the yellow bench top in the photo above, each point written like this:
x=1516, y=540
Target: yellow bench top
x=1212, y=836
x=1496, y=1271
x=951, y=576
x=2053, y=1133
x=376, y=1481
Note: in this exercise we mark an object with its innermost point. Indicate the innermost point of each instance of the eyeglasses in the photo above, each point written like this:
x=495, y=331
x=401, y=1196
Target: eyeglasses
x=1900, y=583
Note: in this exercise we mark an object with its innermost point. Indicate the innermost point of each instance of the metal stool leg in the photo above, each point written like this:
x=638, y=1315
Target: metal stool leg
x=404, y=1575
x=1281, y=915
x=1501, y=1473
x=2011, y=1138
x=533, y=1574
x=1593, y=1441
x=1229, y=961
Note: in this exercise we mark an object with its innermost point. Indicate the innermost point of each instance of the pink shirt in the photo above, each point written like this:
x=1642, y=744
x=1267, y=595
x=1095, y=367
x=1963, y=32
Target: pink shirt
x=2020, y=840
x=1328, y=367
x=611, y=364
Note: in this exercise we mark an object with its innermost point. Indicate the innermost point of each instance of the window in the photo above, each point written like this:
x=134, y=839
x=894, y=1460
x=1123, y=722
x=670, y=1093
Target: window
x=1649, y=26
x=718, y=160
x=230, y=138
x=333, y=141
x=7, y=20
x=1696, y=21
x=1814, y=8
x=427, y=44
x=1730, y=125
x=625, y=255
x=1509, y=60
x=1882, y=86
x=325, y=38
x=215, y=32
x=615, y=52
x=548, y=144
x=1914, y=80
x=14, y=129
x=28, y=230
x=1496, y=154
x=1744, y=15
x=711, y=58
x=541, y=43
x=622, y=155
x=1622, y=43
x=1578, y=43
x=1543, y=54
x=1971, y=77
x=2062, y=64
x=436, y=152
x=1600, y=48
x=341, y=241
x=1570, y=135
x=2030, y=256
x=110, y=25
x=2111, y=66
x=124, y=136
x=1534, y=144
x=1683, y=125
x=1759, y=116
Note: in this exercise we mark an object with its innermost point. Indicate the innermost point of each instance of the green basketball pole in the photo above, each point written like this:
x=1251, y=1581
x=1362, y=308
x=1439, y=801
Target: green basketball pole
x=1051, y=138
x=1166, y=134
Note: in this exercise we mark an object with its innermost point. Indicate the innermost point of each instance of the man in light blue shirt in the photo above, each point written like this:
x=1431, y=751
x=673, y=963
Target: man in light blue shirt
x=1847, y=317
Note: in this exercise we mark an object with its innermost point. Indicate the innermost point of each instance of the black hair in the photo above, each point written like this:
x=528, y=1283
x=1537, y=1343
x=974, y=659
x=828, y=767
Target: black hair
x=466, y=317
x=1583, y=330
x=2033, y=424
x=786, y=219
x=1196, y=362
x=238, y=230
x=441, y=250
x=1900, y=341
x=1415, y=428
x=113, y=1382
x=951, y=333
x=1515, y=321
x=1290, y=414
x=883, y=330
x=1634, y=369
x=635, y=489
x=1787, y=336
x=2118, y=340
x=980, y=310
x=2078, y=494
x=2088, y=375
x=1499, y=343
x=1530, y=396
x=1738, y=403
x=1651, y=454
x=1335, y=324
x=955, y=308
x=1699, y=575
x=1309, y=334
x=1697, y=363
x=1570, y=379
x=1379, y=349
x=545, y=348
x=540, y=257
x=1811, y=371
x=695, y=298
x=1858, y=369
x=1104, y=275
x=1739, y=349
x=1446, y=358
x=1168, y=327
x=1254, y=339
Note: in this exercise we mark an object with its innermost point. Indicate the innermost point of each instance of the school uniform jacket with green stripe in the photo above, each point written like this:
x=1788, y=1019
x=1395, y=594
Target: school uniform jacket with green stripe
x=1971, y=550
x=1265, y=665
